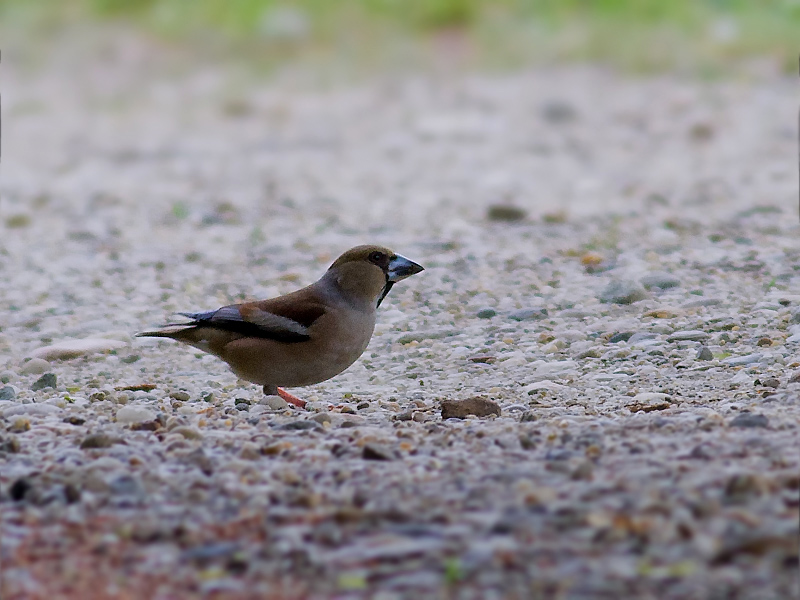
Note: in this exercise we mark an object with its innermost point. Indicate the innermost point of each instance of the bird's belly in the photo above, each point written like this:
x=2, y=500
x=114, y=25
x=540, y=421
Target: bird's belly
x=298, y=364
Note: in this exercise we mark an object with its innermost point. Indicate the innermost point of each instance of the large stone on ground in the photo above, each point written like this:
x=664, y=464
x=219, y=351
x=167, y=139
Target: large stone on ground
x=460, y=409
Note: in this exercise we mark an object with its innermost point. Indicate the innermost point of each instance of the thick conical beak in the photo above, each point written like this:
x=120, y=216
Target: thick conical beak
x=400, y=268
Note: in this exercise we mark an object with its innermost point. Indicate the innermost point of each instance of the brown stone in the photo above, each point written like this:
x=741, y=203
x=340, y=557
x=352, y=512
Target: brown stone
x=478, y=406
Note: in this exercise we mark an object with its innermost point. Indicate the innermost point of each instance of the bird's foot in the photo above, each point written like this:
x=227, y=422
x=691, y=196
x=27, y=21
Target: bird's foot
x=274, y=390
x=291, y=399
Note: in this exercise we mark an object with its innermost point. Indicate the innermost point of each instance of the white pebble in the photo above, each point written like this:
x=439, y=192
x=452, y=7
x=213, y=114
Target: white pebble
x=75, y=348
x=134, y=414
x=35, y=366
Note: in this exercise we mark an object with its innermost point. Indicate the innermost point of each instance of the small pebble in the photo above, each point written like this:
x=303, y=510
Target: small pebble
x=321, y=418
x=250, y=451
x=506, y=213
x=20, y=425
x=623, y=292
x=558, y=111
x=527, y=314
x=190, y=433
x=98, y=440
x=300, y=425
x=9, y=444
x=378, y=452
x=486, y=313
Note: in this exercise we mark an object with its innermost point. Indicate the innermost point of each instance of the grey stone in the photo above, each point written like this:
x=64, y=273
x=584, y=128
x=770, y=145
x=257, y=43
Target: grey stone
x=418, y=336
x=199, y=459
x=749, y=420
x=125, y=484
x=740, y=361
x=702, y=302
x=7, y=392
x=767, y=306
x=300, y=425
x=48, y=380
x=641, y=336
x=526, y=314
x=623, y=292
x=506, y=212
x=692, y=335
x=321, y=418
x=622, y=336
x=704, y=354
x=275, y=402
x=660, y=279
x=558, y=111
x=378, y=452
x=575, y=313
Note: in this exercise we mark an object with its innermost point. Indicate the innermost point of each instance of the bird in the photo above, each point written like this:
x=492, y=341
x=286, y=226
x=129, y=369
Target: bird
x=302, y=338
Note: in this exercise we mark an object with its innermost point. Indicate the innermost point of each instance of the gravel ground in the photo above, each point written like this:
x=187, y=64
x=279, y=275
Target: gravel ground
x=611, y=262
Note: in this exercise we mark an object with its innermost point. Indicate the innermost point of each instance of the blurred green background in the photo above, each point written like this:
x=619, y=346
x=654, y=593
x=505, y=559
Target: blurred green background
x=703, y=35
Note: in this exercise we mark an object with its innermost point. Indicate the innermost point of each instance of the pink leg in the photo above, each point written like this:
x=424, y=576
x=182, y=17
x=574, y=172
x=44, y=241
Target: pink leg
x=291, y=399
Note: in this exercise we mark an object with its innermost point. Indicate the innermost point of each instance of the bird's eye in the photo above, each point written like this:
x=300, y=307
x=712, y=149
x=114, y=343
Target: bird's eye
x=377, y=257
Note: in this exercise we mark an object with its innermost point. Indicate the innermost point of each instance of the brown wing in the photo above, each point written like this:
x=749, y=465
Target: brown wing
x=269, y=319
x=303, y=311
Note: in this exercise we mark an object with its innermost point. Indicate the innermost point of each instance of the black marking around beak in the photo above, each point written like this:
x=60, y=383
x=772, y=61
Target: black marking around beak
x=386, y=289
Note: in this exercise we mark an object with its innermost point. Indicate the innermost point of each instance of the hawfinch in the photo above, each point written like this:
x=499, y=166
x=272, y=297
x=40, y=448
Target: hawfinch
x=304, y=337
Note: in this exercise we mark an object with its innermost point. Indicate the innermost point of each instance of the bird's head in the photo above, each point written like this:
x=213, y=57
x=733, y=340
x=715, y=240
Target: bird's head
x=369, y=272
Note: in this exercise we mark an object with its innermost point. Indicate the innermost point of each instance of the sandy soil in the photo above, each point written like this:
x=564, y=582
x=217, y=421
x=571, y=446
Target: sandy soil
x=612, y=261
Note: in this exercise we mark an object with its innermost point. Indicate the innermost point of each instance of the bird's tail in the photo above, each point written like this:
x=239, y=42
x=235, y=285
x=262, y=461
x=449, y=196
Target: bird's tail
x=168, y=331
x=175, y=331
